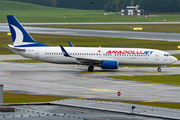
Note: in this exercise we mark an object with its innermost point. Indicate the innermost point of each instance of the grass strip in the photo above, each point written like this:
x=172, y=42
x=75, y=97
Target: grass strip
x=24, y=61
x=26, y=12
x=155, y=104
x=23, y=98
x=163, y=79
x=174, y=65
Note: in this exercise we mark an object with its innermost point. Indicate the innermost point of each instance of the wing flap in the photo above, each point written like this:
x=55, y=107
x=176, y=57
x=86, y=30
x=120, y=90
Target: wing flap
x=88, y=60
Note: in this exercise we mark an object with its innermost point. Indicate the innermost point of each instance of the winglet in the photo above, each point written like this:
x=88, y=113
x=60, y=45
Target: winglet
x=70, y=44
x=64, y=51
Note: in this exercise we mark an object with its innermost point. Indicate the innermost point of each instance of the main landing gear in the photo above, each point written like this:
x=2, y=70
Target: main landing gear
x=91, y=68
x=159, y=69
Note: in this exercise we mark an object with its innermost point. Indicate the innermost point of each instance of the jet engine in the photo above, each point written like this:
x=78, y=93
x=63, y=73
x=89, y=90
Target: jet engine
x=109, y=64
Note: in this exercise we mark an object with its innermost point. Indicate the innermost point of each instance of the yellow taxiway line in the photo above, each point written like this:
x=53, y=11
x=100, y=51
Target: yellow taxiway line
x=102, y=90
x=150, y=101
x=5, y=73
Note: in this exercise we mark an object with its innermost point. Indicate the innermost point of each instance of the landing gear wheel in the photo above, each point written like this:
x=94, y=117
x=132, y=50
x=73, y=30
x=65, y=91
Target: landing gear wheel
x=159, y=69
x=90, y=68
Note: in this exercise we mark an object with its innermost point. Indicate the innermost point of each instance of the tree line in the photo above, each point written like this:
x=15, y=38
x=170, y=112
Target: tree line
x=111, y=5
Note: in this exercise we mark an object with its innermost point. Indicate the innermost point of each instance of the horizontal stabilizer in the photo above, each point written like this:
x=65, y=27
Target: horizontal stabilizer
x=14, y=48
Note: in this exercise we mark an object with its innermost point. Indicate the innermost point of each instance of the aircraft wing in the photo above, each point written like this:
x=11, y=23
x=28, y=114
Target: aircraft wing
x=83, y=59
x=11, y=47
x=88, y=60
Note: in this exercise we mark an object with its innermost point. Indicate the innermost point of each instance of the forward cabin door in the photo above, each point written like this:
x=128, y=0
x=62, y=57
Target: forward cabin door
x=157, y=56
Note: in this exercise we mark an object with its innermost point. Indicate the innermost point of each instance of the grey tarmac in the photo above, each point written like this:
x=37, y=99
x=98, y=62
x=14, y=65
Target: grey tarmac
x=75, y=81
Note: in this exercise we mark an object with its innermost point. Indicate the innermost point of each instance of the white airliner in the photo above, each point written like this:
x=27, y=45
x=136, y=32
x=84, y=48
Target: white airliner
x=106, y=58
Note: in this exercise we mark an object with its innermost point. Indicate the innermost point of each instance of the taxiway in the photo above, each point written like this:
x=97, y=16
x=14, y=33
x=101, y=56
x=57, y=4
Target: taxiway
x=75, y=81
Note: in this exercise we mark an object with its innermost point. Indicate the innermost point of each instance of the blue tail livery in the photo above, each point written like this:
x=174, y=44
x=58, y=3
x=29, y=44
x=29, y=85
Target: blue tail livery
x=19, y=35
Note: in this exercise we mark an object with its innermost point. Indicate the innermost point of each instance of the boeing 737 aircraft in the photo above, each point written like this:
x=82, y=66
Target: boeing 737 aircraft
x=106, y=58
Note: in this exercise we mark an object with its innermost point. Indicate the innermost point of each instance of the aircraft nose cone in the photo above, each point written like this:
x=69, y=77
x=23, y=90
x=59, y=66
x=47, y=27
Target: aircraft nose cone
x=173, y=59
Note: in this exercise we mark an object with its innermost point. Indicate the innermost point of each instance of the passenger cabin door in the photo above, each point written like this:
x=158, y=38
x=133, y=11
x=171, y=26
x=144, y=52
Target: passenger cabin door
x=157, y=56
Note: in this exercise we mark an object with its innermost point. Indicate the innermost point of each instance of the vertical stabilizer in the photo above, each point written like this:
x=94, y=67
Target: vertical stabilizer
x=19, y=35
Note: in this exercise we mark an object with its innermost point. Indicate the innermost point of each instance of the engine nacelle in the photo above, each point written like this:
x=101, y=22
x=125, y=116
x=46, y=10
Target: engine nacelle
x=109, y=64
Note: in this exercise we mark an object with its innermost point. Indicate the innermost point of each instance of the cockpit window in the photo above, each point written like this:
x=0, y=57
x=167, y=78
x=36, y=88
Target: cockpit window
x=166, y=54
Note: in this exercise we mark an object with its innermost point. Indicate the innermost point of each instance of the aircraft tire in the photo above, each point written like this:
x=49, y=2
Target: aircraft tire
x=90, y=68
x=159, y=69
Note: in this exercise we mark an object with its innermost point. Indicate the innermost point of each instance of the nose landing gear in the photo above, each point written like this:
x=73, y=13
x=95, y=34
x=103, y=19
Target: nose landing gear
x=159, y=69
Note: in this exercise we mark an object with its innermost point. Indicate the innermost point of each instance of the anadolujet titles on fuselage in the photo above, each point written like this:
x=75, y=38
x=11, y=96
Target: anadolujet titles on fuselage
x=106, y=58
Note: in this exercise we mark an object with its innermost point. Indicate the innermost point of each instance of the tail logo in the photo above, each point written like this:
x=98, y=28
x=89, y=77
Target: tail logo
x=19, y=37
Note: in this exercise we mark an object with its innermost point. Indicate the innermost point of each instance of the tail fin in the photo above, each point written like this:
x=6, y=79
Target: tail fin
x=19, y=35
